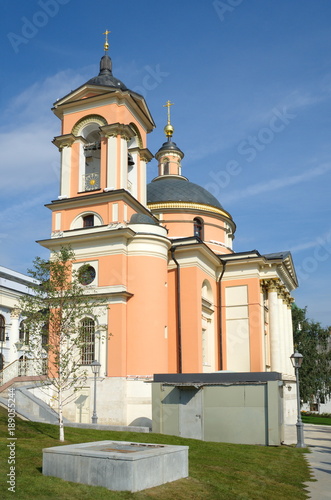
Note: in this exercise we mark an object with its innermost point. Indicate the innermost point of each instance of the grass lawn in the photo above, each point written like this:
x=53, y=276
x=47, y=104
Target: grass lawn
x=217, y=470
x=312, y=419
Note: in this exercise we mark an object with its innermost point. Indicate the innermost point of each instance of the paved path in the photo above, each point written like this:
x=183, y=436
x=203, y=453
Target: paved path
x=318, y=438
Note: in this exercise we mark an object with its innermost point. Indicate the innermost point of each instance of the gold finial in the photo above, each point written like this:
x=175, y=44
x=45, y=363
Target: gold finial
x=168, y=129
x=106, y=44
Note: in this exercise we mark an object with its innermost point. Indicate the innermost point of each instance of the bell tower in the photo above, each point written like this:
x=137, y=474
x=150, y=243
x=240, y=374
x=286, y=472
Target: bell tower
x=103, y=141
x=102, y=214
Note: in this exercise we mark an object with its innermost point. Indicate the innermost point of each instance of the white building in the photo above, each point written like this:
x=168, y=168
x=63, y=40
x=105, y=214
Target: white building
x=14, y=352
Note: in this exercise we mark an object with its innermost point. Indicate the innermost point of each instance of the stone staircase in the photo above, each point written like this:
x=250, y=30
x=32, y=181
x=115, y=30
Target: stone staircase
x=27, y=405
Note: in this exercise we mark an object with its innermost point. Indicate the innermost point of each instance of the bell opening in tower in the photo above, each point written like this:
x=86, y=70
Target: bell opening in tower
x=92, y=154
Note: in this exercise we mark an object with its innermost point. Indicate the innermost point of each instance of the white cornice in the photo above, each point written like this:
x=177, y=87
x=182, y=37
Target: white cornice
x=197, y=255
x=86, y=200
x=97, y=234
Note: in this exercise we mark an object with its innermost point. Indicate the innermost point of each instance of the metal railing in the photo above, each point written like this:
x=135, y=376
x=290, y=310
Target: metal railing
x=23, y=368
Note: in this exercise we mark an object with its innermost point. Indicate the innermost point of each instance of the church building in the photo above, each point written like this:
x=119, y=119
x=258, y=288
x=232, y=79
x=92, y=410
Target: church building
x=179, y=298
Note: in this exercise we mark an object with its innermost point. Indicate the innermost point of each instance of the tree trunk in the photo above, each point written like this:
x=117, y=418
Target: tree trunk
x=61, y=416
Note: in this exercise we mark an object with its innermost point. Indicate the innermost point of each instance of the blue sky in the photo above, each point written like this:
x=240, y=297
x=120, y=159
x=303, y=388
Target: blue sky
x=251, y=83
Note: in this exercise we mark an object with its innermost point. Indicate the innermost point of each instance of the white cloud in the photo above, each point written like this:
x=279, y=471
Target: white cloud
x=252, y=116
x=13, y=214
x=28, y=159
x=323, y=241
x=276, y=184
x=34, y=103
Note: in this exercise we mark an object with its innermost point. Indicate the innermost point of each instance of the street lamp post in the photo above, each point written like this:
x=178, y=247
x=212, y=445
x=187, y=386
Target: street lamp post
x=95, y=367
x=296, y=360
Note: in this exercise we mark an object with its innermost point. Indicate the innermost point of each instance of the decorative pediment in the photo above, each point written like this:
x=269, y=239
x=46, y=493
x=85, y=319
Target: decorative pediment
x=90, y=95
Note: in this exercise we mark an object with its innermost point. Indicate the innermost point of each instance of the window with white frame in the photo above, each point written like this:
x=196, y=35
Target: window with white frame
x=24, y=333
x=87, y=332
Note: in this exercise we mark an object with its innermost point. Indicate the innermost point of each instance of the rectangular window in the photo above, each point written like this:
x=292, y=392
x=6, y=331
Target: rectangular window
x=88, y=221
x=87, y=339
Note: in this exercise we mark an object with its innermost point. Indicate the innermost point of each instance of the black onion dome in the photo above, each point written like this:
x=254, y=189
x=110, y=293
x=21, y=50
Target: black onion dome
x=105, y=77
x=172, y=189
x=169, y=146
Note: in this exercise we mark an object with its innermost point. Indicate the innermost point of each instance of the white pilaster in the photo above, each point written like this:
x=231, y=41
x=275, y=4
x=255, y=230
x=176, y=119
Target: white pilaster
x=281, y=334
x=125, y=213
x=115, y=212
x=274, y=327
x=287, y=334
x=58, y=221
x=290, y=339
x=112, y=162
x=263, y=336
x=142, y=180
x=65, y=171
x=81, y=168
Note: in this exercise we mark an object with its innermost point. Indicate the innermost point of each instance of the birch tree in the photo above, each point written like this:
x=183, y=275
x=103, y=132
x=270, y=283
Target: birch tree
x=53, y=317
x=314, y=343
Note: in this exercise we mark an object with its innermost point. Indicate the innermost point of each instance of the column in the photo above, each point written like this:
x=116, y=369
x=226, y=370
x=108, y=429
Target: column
x=263, y=336
x=281, y=333
x=133, y=174
x=111, y=180
x=145, y=157
x=14, y=334
x=287, y=337
x=124, y=162
x=274, y=327
x=65, y=169
x=64, y=143
x=81, y=167
x=290, y=336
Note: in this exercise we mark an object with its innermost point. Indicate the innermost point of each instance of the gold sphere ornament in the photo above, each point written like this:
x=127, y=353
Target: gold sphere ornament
x=169, y=130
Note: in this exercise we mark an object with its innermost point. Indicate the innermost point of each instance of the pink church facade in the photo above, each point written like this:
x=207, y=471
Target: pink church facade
x=180, y=299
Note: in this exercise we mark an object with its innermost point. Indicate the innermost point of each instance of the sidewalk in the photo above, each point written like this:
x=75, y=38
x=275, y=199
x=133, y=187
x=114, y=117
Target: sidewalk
x=318, y=438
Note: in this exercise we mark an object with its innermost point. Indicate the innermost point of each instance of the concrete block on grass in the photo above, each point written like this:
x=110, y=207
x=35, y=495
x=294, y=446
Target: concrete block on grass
x=117, y=465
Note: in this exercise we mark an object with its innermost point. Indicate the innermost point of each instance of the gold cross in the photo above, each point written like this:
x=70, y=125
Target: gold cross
x=167, y=105
x=106, y=44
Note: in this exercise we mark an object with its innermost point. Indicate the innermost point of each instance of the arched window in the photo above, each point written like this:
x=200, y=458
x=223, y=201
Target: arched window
x=44, y=336
x=87, y=332
x=92, y=153
x=86, y=219
x=24, y=333
x=198, y=228
x=88, y=130
x=166, y=168
x=2, y=328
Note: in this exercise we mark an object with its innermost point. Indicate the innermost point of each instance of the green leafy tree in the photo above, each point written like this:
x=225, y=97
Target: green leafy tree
x=313, y=342
x=53, y=314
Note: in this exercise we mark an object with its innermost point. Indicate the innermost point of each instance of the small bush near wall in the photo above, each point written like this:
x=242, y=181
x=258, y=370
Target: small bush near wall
x=313, y=414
